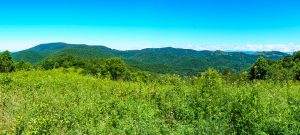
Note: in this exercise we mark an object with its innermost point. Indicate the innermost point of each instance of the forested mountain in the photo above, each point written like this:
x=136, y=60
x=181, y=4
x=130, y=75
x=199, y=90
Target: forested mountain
x=159, y=60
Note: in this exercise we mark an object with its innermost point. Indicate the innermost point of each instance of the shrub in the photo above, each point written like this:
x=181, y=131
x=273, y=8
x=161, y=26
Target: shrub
x=210, y=79
x=115, y=67
x=260, y=69
x=23, y=65
x=6, y=62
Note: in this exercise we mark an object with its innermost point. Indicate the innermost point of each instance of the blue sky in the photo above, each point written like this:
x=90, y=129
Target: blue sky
x=137, y=24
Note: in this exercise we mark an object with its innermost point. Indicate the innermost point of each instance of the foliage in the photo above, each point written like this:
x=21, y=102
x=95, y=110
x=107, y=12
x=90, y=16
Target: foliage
x=297, y=56
x=284, y=69
x=23, y=65
x=62, y=60
x=210, y=79
x=6, y=62
x=260, y=69
x=115, y=68
x=62, y=101
x=112, y=68
x=157, y=60
x=95, y=93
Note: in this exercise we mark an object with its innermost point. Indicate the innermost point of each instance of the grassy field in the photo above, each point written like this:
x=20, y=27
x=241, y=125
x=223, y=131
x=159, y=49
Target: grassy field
x=65, y=102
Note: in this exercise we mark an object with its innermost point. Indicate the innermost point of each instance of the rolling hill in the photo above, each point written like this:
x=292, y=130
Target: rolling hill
x=159, y=60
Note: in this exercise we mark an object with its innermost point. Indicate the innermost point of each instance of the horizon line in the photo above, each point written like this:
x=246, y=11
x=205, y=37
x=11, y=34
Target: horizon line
x=176, y=47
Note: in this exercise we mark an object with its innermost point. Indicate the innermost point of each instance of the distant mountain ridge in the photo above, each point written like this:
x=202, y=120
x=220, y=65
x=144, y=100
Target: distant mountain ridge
x=160, y=60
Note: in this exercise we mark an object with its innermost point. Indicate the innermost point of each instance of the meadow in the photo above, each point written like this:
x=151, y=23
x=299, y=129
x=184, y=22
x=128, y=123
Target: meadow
x=62, y=101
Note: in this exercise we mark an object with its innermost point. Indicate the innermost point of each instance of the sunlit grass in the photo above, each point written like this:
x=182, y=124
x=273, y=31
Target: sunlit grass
x=65, y=102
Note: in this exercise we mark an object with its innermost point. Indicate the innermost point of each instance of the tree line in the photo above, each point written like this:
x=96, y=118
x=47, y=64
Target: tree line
x=8, y=65
x=287, y=68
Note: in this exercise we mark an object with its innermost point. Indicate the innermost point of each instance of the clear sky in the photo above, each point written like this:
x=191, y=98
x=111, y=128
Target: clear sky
x=137, y=24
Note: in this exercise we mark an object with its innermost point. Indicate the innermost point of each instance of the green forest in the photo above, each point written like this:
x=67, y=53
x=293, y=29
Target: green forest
x=57, y=92
x=167, y=60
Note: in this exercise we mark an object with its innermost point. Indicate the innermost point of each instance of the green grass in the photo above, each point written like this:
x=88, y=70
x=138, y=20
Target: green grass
x=65, y=102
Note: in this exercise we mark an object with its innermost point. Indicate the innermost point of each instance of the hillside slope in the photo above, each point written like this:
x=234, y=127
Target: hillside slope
x=159, y=60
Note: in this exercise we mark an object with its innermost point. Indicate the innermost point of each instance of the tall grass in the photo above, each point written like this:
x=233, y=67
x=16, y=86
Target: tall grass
x=65, y=102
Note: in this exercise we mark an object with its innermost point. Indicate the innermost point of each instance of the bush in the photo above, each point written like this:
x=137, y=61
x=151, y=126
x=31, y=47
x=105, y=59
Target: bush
x=6, y=62
x=260, y=69
x=210, y=79
x=6, y=80
x=115, y=68
x=23, y=65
